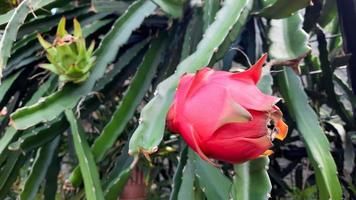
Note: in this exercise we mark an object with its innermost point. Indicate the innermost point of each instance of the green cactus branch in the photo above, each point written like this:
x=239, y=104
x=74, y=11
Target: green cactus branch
x=87, y=164
x=39, y=169
x=294, y=45
x=73, y=125
x=282, y=8
x=67, y=98
x=127, y=106
x=150, y=131
x=171, y=7
x=12, y=27
x=314, y=138
x=234, y=33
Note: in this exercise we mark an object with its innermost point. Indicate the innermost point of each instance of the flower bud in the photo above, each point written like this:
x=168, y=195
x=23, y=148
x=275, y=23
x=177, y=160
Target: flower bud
x=68, y=56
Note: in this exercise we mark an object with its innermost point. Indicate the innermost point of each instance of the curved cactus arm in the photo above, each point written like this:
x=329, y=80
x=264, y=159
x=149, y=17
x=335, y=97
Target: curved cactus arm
x=133, y=97
x=292, y=45
x=150, y=131
x=5, y=86
x=187, y=190
x=211, y=7
x=123, y=62
x=125, y=110
x=4, y=18
x=282, y=8
x=294, y=42
x=12, y=176
x=17, y=19
x=93, y=190
x=52, y=106
x=114, y=183
x=180, y=174
x=92, y=28
x=328, y=80
x=192, y=35
x=32, y=139
x=172, y=7
x=234, y=33
x=214, y=184
x=10, y=132
x=7, y=137
x=317, y=145
x=120, y=177
x=251, y=180
x=7, y=168
x=51, y=184
x=39, y=169
x=118, y=185
x=328, y=13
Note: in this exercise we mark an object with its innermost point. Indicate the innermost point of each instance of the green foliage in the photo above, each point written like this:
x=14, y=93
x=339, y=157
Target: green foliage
x=179, y=176
x=39, y=169
x=235, y=31
x=7, y=84
x=4, y=18
x=277, y=9
x=150, y=131
x=314, y=138
x=307, y=122
x=87, y=165
x=288, y=40
x=17, y=19
x=186, y=189
x=119, y=175
x=210, y=179
x=132, y=98
x=171, y=7
x=67, y=98
x=211, y=7
x=72, y=140
x=251, y=180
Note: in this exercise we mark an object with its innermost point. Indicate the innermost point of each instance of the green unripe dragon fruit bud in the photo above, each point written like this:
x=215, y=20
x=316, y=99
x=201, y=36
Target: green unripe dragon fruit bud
x=68, y=56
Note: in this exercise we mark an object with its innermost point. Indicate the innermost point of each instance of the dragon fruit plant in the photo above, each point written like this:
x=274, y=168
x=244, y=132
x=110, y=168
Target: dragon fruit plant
x=68, y=56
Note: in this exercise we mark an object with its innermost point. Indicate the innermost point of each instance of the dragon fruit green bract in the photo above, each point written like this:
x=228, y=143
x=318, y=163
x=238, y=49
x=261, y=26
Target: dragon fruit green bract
x=68, y=56
x=224, y=116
